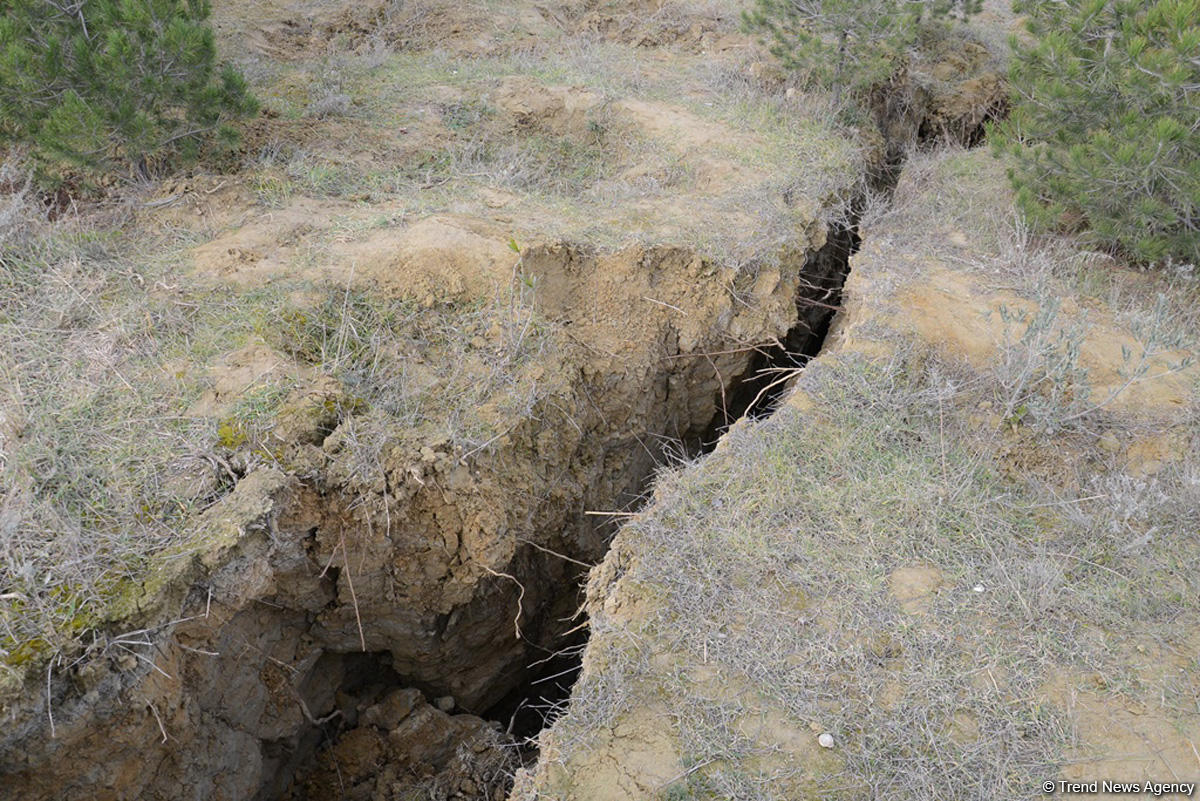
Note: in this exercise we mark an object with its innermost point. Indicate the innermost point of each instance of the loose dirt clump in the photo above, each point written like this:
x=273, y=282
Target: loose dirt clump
x=404, y=746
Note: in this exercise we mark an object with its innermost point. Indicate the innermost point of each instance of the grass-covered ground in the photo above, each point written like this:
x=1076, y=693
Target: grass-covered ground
x=135, y=397
x=966, y=548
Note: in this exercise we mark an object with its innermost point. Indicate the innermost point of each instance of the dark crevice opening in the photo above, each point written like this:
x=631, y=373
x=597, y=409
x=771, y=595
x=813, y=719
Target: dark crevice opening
x=755, y=394
x=546, y=683
x=330, y=710
x=533, y=705
x=758, y=391
x=295, y=765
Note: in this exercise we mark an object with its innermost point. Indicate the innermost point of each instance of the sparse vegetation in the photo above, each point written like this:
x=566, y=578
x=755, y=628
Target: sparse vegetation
x=111, y=87
x=86, y=494
x=1105, y=94
x=159, y=350
x=1043, y=381
x=88, y=500
x=600, y=179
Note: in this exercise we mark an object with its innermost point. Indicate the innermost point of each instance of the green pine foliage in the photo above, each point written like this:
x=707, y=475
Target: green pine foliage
x=1105, y=124
x=95, y=87
x=848, y=46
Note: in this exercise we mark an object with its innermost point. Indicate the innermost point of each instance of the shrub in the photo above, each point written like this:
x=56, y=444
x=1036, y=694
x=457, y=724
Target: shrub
x=1103, y=124
x=109, y=86
x=846, y=45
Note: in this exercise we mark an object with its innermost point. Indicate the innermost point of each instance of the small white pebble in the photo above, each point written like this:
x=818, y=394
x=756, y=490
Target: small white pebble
x=825, y=740
x=978, y=588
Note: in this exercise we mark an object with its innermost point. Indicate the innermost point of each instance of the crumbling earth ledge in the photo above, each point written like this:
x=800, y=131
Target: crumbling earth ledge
x=301, y=593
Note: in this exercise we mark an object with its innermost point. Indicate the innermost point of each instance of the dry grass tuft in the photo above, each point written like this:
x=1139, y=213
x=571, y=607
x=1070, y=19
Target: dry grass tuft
x=93, y=436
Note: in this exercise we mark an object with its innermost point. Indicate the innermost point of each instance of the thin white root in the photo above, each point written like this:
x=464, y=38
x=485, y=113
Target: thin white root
x=50, y=698
x=362, y=640
x=564, y=557
x=520, y=598
x=161, y=727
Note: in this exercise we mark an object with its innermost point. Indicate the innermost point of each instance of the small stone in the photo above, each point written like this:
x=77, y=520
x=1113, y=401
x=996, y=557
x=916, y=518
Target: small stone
x=825, y=740
x=445, y=703
x=977, y=588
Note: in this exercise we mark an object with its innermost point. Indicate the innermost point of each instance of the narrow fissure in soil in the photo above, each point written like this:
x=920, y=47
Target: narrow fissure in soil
x=544, y=685
x=756, y=393
x=534, y=704
x=770, y=373
x=503, y=735
x=306, y=766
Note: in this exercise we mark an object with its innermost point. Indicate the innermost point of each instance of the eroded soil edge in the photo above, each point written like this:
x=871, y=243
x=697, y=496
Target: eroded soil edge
x=375, y=636
x=342, y=636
